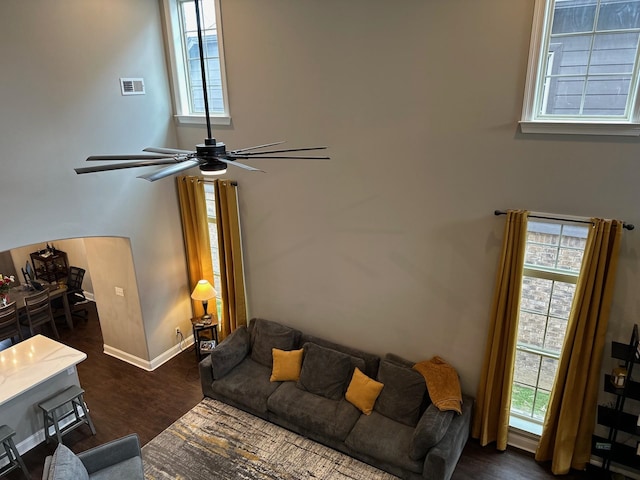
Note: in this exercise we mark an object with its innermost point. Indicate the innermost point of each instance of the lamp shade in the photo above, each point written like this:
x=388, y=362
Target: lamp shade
x=204, y=291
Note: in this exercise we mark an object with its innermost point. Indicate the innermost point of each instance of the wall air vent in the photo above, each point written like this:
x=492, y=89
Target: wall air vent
x=132, y=86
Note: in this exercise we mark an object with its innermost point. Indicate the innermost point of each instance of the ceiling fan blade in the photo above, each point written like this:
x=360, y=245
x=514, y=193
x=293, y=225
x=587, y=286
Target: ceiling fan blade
x=93, y=158
x=118, y=166
x=283, y=151
x=300, y=157
x=258, y=146
x=238, y=164
x=169, y=151
x=173, y=169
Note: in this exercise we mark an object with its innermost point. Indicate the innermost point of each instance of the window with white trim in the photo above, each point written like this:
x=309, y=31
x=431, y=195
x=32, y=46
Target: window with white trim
x=583, y=68
x=553, y=260
x=184, y=56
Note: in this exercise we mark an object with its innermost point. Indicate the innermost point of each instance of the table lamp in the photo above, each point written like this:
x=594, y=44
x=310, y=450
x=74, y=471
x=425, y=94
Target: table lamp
x=204, y=292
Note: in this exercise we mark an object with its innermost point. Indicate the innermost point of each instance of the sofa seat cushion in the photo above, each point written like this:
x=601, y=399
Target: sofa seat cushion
x=248, y=385
x=267, y=335
x=384, y=439
x=403, y=394
x=129, y=469
x=314, y=413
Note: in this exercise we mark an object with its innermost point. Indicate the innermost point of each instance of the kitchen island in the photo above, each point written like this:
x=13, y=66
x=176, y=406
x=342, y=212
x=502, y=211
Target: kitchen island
x=31, y=371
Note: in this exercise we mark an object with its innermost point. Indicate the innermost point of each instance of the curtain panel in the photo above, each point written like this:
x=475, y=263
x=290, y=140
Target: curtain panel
x=193, y=211
x=570, y=418
x=234, y=306
x=493, y=399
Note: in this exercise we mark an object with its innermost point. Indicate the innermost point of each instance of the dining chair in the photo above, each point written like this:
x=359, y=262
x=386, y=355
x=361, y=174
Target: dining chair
x=9, y=324
x=38, y=308
x=75, y=294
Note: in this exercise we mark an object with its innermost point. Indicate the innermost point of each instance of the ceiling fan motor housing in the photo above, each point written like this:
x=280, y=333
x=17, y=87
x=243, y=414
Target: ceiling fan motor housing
x=209, y=152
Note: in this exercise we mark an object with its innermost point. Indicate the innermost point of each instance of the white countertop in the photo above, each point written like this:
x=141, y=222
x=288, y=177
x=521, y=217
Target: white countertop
x=31, y=362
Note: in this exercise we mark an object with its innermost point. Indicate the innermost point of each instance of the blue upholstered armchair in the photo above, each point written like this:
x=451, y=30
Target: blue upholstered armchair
x=117, y=459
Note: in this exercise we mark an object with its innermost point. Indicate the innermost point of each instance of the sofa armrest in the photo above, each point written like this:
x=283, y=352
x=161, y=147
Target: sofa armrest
x=431, y=428
x=206, y=376
x=442, y=459
x=111, y=453
x=231, y=351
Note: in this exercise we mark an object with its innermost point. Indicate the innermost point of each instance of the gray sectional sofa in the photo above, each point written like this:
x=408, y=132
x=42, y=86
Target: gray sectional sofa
x=405, y=435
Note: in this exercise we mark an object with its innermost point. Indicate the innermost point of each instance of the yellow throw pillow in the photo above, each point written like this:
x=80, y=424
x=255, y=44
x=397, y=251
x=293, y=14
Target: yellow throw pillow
x=363, y=391
x=286, y=365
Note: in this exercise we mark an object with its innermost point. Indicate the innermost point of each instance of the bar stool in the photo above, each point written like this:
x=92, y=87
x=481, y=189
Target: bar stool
x=15, y=460
x=73, y=396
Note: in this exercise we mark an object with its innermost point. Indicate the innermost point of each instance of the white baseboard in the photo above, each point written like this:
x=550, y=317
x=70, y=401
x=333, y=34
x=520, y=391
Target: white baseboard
x=149, y=365
x=37, y=438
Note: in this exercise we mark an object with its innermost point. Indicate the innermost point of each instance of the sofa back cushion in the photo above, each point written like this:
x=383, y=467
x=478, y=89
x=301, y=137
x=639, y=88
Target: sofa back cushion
x=326, y=372
x=267, y=335
x=403, y=394
x=371, y=361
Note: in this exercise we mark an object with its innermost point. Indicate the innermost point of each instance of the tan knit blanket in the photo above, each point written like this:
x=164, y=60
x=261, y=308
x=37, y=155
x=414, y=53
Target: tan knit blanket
x=443, y=383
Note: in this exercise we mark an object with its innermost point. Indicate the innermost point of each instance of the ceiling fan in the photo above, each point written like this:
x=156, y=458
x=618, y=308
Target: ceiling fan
x=212, y=156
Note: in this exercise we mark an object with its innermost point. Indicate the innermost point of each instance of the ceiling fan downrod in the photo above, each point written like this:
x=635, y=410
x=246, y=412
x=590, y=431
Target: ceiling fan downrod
x=205, y=88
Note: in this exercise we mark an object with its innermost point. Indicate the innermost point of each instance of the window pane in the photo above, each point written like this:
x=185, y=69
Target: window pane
x=572, y=16
x=561, y=299
x=554, y=337
x=541, y=255
x=526, y=369
x=531, y=328
x=570, y=259
x=574, y=236
x=547, y=373
x=540, y=404
x=539, y=232
x=617, y=15
x=613, y=53
x=536, y=294
x=522, y=398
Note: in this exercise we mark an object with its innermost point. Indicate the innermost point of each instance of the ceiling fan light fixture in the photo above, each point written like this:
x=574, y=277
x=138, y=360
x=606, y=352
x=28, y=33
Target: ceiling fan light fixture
x=213, y=169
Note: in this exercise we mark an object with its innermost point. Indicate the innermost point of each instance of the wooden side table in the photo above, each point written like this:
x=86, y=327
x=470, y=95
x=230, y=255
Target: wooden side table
x=211, y=335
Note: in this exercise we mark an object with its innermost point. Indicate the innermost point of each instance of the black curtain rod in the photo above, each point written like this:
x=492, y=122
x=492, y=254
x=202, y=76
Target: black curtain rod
x=627, y=226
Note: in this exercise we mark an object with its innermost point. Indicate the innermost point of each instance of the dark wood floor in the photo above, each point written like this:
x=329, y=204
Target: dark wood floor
x=124, y=399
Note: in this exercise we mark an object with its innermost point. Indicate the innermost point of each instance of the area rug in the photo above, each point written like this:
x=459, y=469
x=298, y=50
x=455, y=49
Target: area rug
x=215, y=440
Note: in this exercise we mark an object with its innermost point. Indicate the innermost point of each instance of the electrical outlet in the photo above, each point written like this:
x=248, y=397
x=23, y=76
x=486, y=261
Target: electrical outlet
x=178, y=332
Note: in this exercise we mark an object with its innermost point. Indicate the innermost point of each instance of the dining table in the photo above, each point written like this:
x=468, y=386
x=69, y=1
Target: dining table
x=56, y=290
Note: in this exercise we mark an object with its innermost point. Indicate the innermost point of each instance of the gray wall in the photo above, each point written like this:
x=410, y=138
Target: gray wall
x=61, y=102
x=390, y=246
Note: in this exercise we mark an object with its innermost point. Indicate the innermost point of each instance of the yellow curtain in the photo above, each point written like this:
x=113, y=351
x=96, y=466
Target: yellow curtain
x=234, y=308
x=569, y=422
x=195, y=229
x=493, y=400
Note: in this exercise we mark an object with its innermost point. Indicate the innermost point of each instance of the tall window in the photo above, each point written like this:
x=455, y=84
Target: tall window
x=213, y=240
x=552, y=265
x=583, y=67
x=184, y=54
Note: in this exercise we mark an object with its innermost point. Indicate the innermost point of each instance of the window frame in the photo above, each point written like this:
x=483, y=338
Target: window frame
x=517, y=419
x=529, y=123
x=179, y=83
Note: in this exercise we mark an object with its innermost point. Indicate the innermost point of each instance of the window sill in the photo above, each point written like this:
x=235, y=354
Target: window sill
x=200, y=119
x=525, y=425
x=581, y=128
